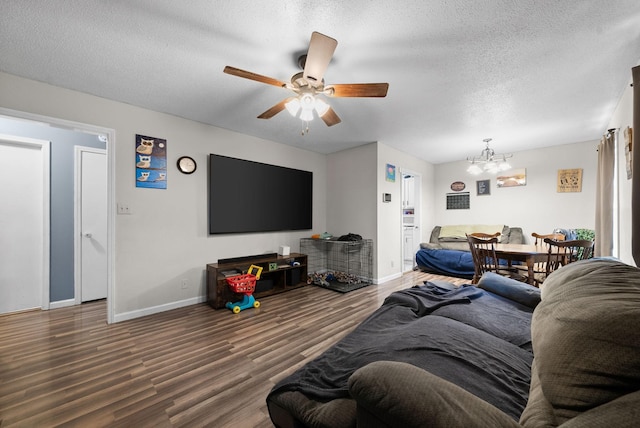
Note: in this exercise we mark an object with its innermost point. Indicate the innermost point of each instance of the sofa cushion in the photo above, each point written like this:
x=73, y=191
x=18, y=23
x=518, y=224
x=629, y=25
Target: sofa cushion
x=397, y=394
x=510, y=288
x=509, y=235
x=459, y=232
x=586, y=340
x=340, y=412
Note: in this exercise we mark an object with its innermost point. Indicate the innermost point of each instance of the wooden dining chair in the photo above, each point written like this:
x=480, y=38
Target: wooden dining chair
x=562, y=253
x=485, y=235
x=483, y=252
x=539, y=239
x=540, y=268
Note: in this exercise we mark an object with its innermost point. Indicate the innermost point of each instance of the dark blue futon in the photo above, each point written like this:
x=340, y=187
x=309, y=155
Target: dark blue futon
x=446, y=262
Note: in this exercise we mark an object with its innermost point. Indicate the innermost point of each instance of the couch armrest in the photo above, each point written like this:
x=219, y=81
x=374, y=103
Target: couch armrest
x=435, y=233
x=622, y=412
x=517, y=291
x=430, y=246
x=394, y=394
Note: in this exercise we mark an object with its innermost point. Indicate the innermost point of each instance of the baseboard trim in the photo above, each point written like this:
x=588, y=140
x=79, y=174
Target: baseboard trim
x=387, y=278
x=125, y=316
x=62, y=304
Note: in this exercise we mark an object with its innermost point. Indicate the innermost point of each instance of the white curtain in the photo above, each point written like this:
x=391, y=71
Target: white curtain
x=604, y=194
x=635, y=180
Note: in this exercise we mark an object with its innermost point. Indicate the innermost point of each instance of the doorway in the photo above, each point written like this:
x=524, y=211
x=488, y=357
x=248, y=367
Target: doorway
x=411, y=218
x=37, y=126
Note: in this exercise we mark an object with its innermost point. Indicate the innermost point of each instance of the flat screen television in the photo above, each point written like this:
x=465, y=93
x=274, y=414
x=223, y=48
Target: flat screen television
x=247, y=196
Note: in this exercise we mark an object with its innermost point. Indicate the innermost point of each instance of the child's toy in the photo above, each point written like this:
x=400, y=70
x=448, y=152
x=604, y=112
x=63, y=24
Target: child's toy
x=244, y=284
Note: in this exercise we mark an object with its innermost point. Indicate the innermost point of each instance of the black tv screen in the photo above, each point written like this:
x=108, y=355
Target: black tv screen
x=247, y=196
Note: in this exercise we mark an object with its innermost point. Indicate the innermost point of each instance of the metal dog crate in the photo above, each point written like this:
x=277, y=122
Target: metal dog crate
x=339, y=265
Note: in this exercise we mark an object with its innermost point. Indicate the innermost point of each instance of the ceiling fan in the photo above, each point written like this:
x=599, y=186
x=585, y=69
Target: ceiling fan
x=309, y=83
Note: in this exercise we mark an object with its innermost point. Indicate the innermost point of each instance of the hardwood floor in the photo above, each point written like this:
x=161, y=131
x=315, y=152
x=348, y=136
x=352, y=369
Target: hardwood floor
x=193, y=366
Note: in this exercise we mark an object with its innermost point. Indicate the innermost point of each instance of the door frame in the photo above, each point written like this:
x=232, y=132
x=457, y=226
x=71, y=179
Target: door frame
x=417, y=214
x=110, y=145
x=44, y=146
x=77, y=220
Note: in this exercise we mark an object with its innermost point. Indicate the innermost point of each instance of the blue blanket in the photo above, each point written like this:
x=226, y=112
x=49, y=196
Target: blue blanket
x=446, y=262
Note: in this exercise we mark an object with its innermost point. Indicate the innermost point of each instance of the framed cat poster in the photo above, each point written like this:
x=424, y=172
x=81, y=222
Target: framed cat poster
x=151, y=162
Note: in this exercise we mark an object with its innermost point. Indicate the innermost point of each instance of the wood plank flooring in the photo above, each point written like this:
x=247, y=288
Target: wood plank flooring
x=188, y=367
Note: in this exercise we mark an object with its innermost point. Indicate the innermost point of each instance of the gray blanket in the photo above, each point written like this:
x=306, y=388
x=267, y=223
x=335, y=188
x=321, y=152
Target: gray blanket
x=468, y=336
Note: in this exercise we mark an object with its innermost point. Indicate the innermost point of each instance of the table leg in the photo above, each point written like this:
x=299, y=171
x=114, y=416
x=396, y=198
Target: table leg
x=530, y=276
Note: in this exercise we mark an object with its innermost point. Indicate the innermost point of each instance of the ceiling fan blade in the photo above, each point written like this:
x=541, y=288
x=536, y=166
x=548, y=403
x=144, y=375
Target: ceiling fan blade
x=330, y=117
x=321, y=50
x=357, y=90
x=253, y=76
x=275, y=109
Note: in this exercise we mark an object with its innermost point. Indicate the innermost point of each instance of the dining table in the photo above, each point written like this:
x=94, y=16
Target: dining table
x=530, y=254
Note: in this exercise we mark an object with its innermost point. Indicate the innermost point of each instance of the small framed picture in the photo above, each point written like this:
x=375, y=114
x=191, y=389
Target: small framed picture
x=483, y=187
x=569, y=180
x=390, y=173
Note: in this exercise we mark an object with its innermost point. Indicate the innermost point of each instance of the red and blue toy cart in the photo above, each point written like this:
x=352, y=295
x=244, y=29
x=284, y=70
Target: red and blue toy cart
x=244, y=284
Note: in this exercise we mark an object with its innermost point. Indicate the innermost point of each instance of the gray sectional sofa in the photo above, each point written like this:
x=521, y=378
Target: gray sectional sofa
x=503, y=354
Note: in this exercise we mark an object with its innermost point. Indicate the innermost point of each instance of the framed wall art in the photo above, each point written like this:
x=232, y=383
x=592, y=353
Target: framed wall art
x=628, y=151
x=569, y=180
x=483, y=187
x=390, y=173
x=458, y=201
x=151, y=162
x=512, y=178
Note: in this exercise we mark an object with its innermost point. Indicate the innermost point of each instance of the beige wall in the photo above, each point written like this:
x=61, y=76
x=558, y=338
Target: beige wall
x=165, y=238
x=537, y=206
x=389, y=224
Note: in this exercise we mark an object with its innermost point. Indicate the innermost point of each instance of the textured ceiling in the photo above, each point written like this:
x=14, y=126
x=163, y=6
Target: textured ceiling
x=528, y=74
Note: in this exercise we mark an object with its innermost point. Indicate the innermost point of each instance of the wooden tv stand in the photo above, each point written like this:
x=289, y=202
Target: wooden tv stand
x=286, y=277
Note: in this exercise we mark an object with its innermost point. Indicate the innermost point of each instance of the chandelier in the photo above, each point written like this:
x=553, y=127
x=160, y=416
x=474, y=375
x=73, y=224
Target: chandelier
x=488, y=161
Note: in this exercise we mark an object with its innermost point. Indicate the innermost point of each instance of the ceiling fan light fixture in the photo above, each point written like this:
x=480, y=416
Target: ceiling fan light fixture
x=306, y=115
x=307, y=101
x=321, y=107
x=490, y=161
x=293, y=106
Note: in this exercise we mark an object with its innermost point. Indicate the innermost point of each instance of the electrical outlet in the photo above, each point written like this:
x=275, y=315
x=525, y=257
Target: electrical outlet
x=123, y=209
x=185, y=283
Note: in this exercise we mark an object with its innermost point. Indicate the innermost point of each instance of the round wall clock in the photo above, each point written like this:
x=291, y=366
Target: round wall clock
x=186, y=165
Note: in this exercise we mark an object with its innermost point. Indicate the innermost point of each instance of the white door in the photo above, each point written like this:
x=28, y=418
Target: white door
x=91, y=224
x=24, y=224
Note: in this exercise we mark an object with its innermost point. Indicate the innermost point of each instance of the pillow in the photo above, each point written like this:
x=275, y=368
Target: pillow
x=510, y=288
x=585, y=335
x=460, y=231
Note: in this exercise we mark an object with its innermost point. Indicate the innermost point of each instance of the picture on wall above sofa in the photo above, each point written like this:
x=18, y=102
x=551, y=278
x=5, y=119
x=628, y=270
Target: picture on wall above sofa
x=514, y=178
